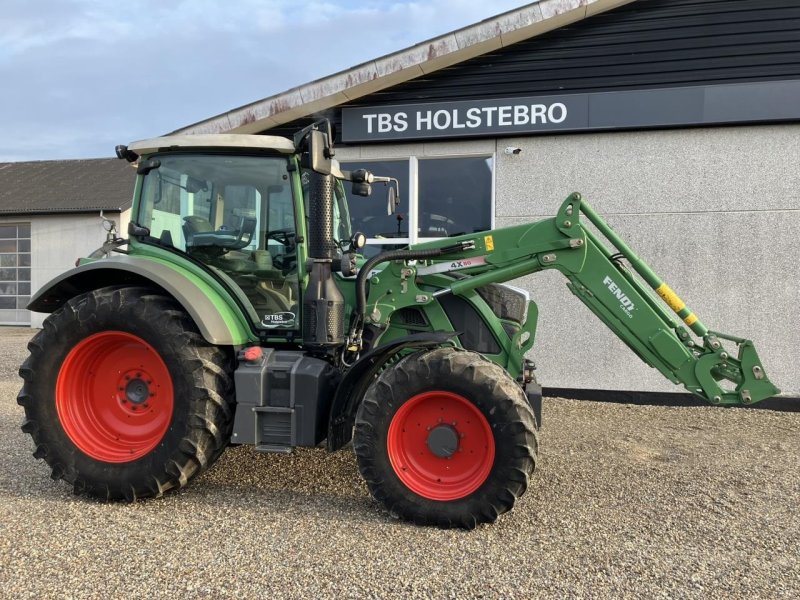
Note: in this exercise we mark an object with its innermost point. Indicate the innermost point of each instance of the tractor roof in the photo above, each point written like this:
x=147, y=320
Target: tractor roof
x=214, y=140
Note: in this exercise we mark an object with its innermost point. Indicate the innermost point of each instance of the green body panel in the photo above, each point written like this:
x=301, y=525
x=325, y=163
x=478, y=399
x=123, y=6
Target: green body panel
x=392, y=290
x=218, y=322
x=301, y=221
x=235, y=319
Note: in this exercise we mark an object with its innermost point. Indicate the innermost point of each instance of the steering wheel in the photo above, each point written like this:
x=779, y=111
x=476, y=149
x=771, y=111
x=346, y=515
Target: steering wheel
x=282, y=236
x=286, y=262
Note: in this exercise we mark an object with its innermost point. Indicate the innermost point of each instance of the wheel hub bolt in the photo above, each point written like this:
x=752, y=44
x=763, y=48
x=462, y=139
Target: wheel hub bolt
x=443, y=441
x=137, y=391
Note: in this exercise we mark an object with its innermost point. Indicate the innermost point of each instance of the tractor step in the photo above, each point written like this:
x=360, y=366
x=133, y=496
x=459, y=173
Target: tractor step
x=269, y=449
x=274, y=424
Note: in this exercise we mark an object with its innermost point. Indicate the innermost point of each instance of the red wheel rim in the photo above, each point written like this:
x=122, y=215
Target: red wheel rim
x=114, y=397
x=422, y=465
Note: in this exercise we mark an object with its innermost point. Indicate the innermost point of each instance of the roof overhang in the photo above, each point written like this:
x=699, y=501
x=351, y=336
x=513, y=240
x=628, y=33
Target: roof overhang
x=84, y=210
x=390, y=70
x=214, y=140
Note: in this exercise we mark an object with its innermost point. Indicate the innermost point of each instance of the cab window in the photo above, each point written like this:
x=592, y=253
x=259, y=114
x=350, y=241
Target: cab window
x=236, y=215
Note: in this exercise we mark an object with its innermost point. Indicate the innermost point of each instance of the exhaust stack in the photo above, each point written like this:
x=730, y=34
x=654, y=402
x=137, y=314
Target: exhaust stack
x=323, y=306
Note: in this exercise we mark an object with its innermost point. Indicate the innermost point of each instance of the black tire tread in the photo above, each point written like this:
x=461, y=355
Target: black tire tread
x=395, y=385
x=211, y=402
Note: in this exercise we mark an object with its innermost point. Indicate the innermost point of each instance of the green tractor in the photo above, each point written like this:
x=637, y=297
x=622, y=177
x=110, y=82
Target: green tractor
x=243, y=310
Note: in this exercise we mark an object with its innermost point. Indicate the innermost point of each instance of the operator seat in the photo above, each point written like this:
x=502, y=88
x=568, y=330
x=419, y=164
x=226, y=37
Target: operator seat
x=192, y=225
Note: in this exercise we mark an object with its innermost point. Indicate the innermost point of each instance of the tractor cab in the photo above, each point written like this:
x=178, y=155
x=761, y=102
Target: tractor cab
x=240, y=211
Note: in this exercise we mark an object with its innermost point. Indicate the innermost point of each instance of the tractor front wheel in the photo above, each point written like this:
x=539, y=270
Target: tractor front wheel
x=446, y=438
x=123, y=397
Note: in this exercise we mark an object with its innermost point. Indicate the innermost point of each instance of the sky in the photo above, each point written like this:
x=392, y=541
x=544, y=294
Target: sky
x=78, y=77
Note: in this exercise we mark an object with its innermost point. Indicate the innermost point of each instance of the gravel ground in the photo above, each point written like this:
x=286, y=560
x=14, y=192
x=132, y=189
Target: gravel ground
x=628, y=502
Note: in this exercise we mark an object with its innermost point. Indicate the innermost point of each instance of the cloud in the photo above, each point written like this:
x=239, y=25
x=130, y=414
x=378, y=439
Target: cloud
x=80, y=76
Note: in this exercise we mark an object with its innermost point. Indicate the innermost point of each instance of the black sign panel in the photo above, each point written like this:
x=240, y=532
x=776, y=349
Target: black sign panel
x=465, y=118
x=696, y=105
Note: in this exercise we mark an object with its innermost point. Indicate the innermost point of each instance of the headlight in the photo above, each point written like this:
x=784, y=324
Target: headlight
x=506, y=301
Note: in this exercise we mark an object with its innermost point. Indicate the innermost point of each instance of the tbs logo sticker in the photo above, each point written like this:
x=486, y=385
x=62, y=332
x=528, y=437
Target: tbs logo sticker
x=281, y=319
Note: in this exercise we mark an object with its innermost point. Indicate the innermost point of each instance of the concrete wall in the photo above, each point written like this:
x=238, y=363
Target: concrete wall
x=714, y=211
x=58, y=240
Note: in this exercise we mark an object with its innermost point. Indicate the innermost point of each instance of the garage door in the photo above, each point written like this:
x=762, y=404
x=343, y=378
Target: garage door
x=15, y=273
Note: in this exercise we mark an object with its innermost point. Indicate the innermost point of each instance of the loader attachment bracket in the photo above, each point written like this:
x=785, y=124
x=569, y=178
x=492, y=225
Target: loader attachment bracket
x=745, y=372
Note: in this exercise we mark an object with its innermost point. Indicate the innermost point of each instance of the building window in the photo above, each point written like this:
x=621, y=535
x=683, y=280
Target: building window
x=15, y=273
x=455, y=196
x=368, y=215
x=439, y=197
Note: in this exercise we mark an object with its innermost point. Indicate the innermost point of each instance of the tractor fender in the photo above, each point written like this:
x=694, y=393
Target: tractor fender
x=219, y=320
x=360, y=376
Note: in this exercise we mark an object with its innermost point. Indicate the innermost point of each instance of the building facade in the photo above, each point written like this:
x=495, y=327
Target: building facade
x=50, y=216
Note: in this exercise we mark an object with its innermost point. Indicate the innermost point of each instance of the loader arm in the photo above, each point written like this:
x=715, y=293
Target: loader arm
x=621, y=296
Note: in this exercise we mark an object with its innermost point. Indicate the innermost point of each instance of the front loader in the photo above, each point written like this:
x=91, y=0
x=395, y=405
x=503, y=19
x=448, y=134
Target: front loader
x=241, y=309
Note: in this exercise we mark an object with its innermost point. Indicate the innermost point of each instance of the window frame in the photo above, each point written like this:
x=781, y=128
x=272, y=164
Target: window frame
x=413, y=191
x=483, y=155
x=20, y=299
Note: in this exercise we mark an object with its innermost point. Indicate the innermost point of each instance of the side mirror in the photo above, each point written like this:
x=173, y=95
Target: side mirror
x=316, y=144
x=391, y=200
x=319, y=159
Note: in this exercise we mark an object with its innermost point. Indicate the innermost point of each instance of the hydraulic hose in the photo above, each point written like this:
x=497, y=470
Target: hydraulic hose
x=364, y=273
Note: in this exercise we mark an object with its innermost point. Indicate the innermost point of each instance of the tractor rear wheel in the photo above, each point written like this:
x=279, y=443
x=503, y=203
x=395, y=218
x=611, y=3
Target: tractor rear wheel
x=123, y=397
x=446, y=438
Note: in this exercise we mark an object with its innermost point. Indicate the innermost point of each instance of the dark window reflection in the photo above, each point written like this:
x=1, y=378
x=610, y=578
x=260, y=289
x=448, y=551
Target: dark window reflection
x=455, y=196
x=368, y=215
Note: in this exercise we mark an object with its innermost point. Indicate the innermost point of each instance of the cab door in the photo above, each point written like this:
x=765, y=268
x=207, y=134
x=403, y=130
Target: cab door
x=236, y=215
x=277, y=274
